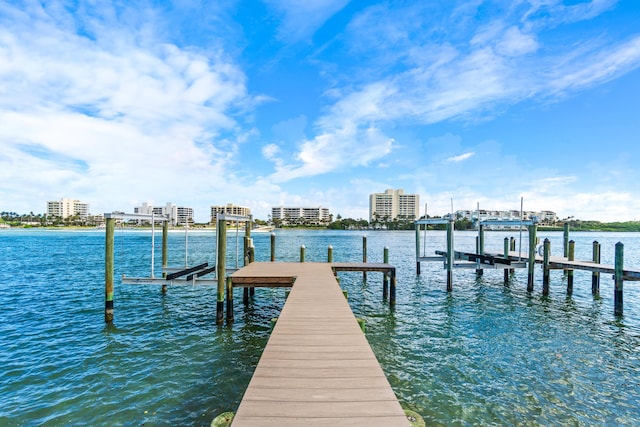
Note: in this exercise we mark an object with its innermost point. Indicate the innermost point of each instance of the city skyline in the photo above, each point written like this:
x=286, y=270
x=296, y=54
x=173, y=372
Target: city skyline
x=322, y=103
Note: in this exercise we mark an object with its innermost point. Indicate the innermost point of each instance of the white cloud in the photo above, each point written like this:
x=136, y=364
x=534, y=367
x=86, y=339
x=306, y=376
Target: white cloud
x=142, y=115
x=460, y=158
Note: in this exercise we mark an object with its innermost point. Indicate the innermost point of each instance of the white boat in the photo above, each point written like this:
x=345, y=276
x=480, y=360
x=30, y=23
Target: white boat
x=263, y=229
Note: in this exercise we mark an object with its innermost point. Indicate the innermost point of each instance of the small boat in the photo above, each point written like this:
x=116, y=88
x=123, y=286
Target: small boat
x=263, y=229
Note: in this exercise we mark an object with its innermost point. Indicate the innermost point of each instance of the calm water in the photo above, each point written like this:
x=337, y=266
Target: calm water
x=486, y=354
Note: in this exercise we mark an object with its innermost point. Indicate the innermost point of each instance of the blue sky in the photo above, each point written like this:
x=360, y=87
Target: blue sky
x=321, y=103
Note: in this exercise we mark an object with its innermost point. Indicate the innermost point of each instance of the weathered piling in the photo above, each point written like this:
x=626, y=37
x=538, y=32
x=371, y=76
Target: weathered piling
x=108, y=269
x=221, y=231
x=512, y=245
x=595, y=276
x=302, y=249
x=392, y=288
x=570, y=257
x=532, y=257
x=565, y=240
x=480, y=247
x=450, y=226
x=165, y=248
x=230, y=317
x=330, y=253
x=273, y=247
x=506, y=256
x=618, y=277
x=417, y=227
x=385, y=278
x=364, y=256
x=545, y=267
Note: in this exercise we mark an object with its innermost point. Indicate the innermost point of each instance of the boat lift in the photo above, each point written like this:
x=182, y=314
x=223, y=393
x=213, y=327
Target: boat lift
x=194, y=275
x=469, y=260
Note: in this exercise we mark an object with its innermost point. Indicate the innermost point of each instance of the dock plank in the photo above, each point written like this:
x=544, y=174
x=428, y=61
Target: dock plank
x=317, y=368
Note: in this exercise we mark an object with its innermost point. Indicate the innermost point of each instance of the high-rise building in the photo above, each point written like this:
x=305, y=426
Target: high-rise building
x=393, y=205
x=65, y=208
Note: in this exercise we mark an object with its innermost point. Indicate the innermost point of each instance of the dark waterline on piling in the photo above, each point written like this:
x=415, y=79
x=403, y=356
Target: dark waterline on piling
x=484, y=354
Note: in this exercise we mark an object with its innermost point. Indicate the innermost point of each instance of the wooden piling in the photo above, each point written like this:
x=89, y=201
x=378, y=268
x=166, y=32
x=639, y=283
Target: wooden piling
x=618, y=277
x=595, y=276
x=273, y=247
x=565, y=240
x=570, y=257
x=506, y=256
x=480, y=247
x=165, y=246
x=330, y=253
x=302, y=248
x=108, y=270
x=545, y=267
x=252, y=258
x=364, y=256
x=532, y=257
x=392, y=288
x=450, y=226
x=385, y=278
x=512, y=246
x=417, y=226
x=230, y=317
x=221, y=268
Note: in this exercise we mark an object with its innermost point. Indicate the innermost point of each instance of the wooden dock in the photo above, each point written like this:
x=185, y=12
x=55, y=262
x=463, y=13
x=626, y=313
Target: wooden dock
x=317, y=368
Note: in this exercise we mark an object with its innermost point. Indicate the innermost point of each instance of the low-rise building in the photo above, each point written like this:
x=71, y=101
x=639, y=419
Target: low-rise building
x=228, y=209
x=300, y=215
x=178, y=215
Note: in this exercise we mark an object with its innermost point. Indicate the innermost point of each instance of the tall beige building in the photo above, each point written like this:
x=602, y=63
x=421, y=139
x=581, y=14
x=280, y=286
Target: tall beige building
x=393, y=204
x=65, y=208
x=229, y=209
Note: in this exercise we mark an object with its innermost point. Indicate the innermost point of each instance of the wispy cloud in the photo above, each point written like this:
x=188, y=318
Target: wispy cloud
x=300, y=19
x=460, y=158
x=406, y=75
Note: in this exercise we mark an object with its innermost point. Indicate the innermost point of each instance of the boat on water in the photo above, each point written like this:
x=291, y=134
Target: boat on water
x=263, y=229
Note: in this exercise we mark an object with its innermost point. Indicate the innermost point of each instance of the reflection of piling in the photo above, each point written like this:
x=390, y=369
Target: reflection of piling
x=221, y=268
x=619, y=264
x=595, y=276
x=108, y=270
x=545, y=267
x=532, y=257
x=570, y=257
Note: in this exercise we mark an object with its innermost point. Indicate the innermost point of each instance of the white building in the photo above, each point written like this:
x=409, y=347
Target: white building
x=229, y=209
x=543, y=217
x=295, y=215
x=178, y=215
x=393, y=205
x=65, y=208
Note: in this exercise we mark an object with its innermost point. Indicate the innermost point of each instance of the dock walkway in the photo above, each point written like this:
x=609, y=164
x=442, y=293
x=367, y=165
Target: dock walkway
x=317, y=368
